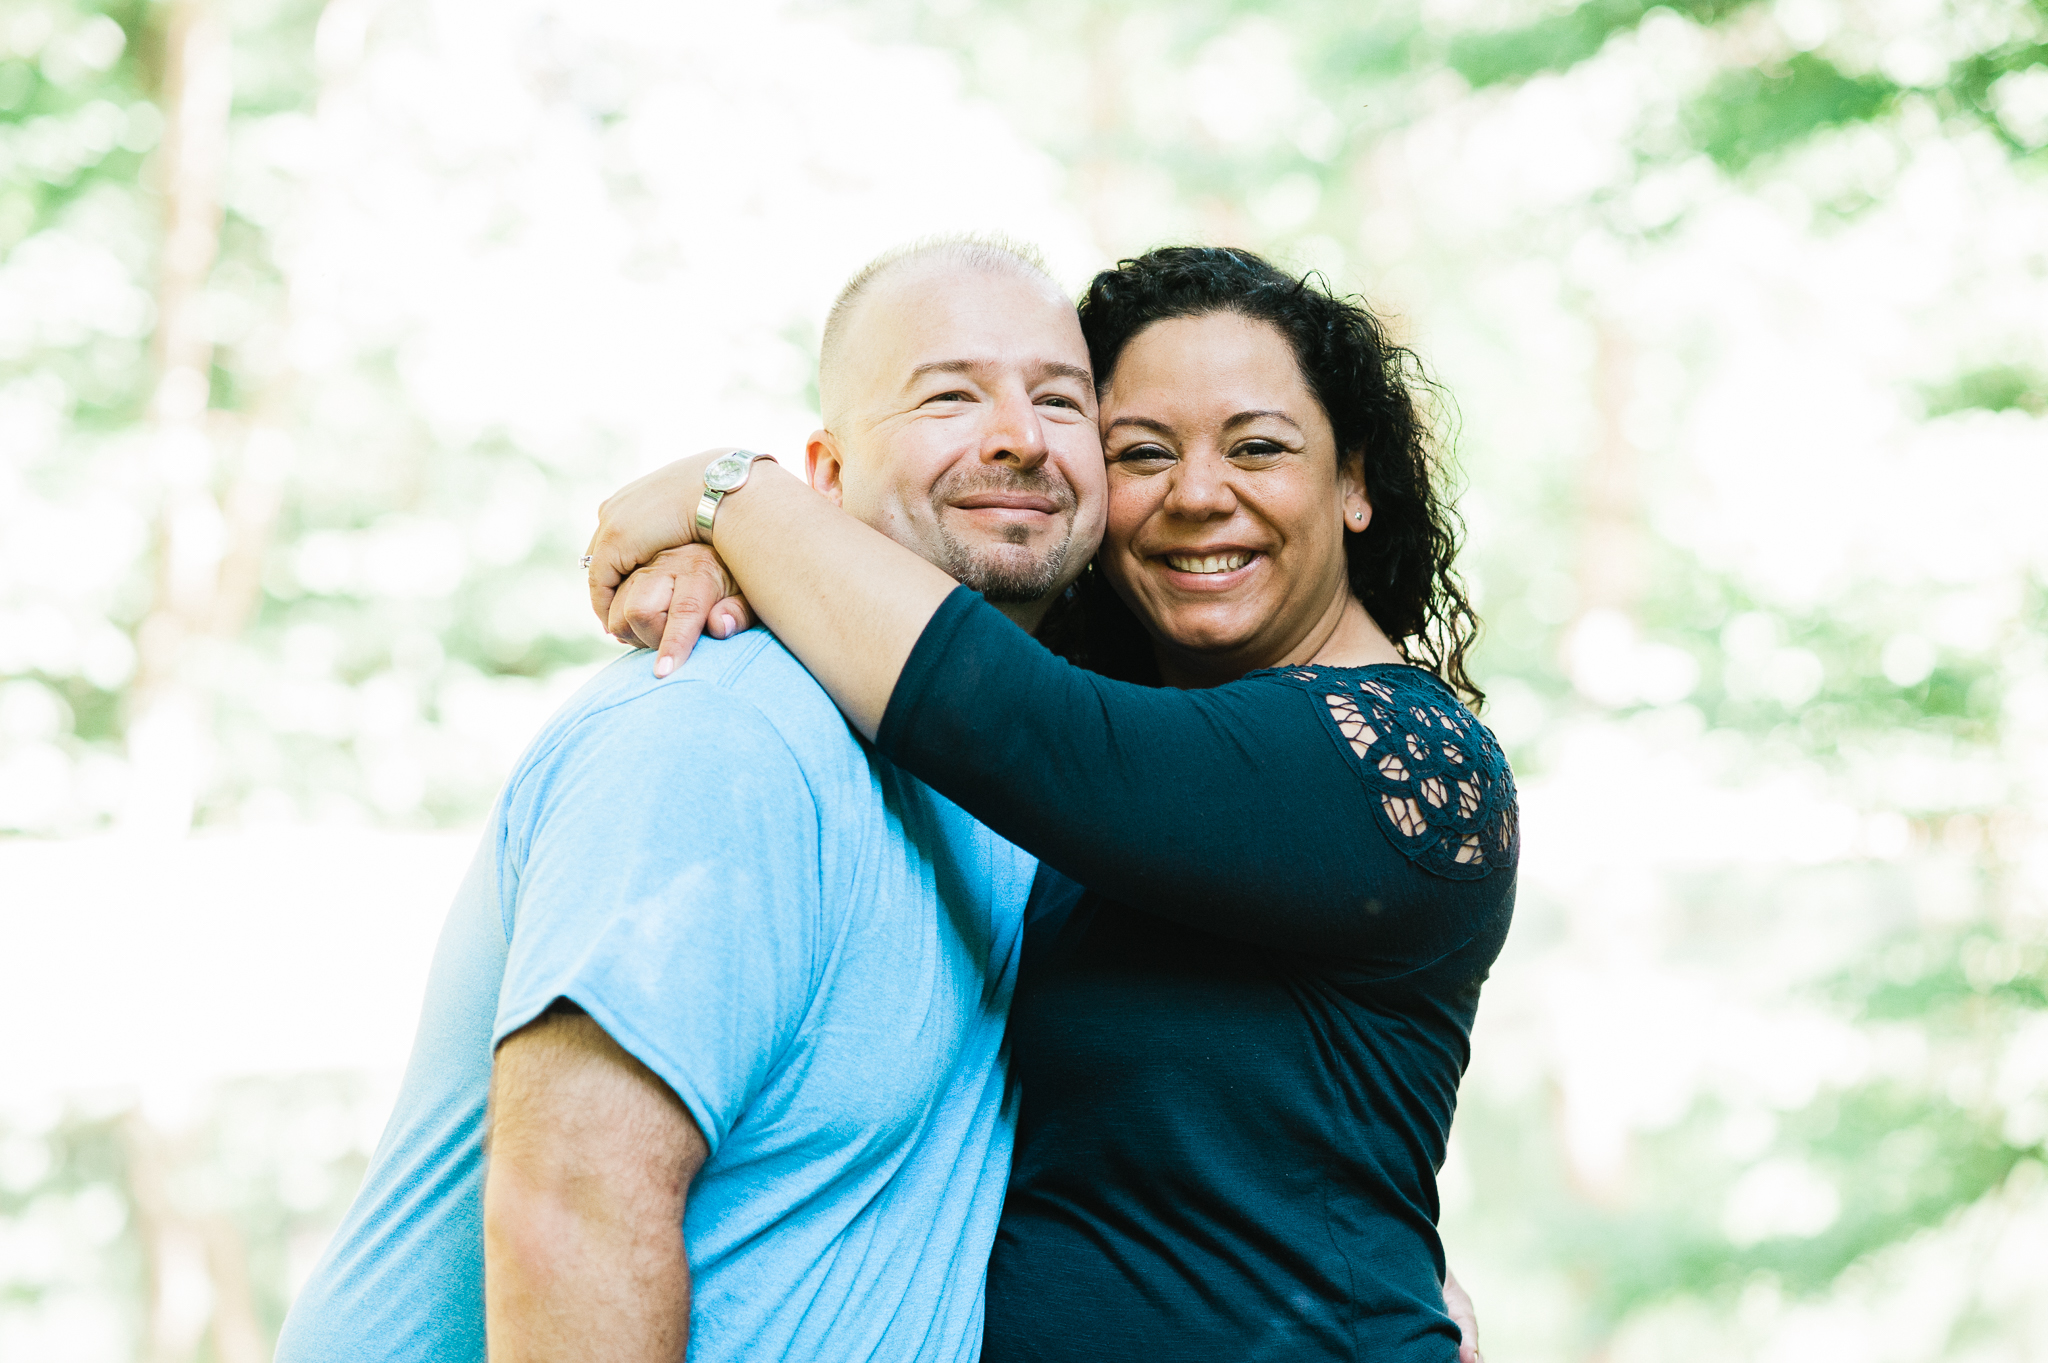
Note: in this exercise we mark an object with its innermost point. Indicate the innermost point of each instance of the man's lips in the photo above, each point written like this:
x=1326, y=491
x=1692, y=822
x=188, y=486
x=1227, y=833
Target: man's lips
x=1008, y=501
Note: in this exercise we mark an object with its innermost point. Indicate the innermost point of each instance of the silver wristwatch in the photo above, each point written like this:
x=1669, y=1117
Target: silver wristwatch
x=728, y=473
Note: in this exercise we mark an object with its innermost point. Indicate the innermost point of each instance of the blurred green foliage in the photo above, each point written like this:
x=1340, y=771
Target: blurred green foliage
x=114, y=1211
x=1903, y=1155
x=337, y=689
x=1996, y=388
x=1558, y=42
x=1751, y=112
x=357, y=471
x=1767, y=100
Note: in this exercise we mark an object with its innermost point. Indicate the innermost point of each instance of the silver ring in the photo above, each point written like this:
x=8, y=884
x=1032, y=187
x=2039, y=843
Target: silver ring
x=587, y=558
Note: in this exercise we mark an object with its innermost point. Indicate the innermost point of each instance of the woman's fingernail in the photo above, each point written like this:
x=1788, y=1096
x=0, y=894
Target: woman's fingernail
x=664, y=665
x=725, y=627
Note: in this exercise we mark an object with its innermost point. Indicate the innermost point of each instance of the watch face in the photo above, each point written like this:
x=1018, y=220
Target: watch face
x=727, y=473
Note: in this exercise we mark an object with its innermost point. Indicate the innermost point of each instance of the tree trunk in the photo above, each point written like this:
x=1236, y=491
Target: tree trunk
x=167, y=720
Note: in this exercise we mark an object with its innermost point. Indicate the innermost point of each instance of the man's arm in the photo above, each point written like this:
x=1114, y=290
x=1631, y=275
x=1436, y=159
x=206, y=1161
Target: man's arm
x=591, y=1157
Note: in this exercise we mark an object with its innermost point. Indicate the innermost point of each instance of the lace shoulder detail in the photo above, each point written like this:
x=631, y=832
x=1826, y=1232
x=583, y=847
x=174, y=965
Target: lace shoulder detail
x=1444, y=792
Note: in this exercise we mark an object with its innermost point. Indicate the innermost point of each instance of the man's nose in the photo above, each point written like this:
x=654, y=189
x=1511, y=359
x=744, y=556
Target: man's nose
x=1017, y=435
x=1198, y=488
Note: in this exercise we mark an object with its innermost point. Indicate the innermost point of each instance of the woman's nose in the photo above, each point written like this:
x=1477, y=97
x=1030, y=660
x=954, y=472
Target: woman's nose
x=1198, y=490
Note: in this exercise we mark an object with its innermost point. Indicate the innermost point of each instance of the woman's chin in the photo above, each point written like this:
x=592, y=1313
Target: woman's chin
x=1196, y=637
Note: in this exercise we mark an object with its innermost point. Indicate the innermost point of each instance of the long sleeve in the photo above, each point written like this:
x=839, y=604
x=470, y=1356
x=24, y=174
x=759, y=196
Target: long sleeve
x=1238, y=810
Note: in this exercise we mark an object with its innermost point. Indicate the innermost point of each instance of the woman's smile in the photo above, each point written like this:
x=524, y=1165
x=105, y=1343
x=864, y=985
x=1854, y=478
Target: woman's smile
x=1229, y=561
x=1207, y=571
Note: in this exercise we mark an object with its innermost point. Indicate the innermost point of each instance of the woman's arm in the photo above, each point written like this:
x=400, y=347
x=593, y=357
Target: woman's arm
x=845, y=599
x=1241, y=809
x=1231, y=809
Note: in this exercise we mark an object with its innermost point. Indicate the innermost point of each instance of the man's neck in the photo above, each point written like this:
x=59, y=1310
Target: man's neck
x=1025, y=615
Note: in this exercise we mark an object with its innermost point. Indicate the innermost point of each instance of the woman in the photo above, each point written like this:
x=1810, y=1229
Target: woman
x=1240, y=1044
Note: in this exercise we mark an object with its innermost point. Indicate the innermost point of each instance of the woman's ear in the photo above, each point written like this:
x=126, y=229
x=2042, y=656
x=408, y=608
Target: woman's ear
x=1351, y=492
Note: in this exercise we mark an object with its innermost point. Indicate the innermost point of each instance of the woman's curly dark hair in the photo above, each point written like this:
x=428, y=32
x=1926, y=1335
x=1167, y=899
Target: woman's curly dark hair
x=1400, y=567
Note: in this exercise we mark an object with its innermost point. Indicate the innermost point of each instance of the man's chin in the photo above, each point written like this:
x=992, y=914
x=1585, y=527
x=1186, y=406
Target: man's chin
x=1012, y=589
x=1013, y=575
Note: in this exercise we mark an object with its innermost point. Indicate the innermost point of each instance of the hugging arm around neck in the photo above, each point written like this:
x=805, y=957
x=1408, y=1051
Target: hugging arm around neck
x=846, y=599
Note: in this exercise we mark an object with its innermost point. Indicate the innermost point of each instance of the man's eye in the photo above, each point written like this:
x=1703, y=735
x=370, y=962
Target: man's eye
x=955, y=395
x=1056, y=400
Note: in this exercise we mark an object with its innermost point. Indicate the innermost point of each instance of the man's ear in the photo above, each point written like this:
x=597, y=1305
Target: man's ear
x=1351, y=493
x=824, y=465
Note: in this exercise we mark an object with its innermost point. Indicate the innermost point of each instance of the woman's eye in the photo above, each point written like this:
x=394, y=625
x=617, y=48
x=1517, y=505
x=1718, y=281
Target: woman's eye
x=1257, y=451
x=1142, y=454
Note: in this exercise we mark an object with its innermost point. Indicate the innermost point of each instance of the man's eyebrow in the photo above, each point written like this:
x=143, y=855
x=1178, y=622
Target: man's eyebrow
x=1057, y=369
x=942, y=367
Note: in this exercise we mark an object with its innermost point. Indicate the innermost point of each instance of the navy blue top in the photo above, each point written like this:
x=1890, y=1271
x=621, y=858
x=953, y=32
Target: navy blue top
x=1240, y=1046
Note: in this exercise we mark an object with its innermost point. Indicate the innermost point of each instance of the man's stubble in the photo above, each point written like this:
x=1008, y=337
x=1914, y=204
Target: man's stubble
x=984, y=568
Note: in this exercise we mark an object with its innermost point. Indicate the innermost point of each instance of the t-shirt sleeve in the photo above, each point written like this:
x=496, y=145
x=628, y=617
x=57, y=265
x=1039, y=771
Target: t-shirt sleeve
x=1234, y=809
x=669, y=885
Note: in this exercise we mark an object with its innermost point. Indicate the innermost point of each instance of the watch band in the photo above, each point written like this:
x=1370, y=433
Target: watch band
x=707, y=507
x=727, y=474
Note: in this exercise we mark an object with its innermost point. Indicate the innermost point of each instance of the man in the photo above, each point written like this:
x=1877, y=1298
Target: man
x=769, y=1010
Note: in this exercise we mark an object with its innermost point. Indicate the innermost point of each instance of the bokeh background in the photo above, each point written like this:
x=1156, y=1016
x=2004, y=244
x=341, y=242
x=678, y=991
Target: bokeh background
x=324, y=327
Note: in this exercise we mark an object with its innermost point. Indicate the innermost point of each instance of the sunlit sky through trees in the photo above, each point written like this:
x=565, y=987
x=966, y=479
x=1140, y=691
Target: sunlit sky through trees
x=324, y=328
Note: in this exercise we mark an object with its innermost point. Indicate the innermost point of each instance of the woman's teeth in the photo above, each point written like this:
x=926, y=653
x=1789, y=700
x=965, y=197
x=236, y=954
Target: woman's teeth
x=1208, y=563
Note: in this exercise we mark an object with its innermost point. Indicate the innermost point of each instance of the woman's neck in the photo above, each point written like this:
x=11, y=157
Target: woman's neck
x=1343, y=636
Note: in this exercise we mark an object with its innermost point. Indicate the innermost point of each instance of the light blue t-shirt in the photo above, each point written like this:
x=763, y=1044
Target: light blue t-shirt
x=813, y=949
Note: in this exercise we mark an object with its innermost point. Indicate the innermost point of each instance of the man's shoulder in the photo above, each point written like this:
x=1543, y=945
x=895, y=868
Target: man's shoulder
x=750, y=685
x=740, y=722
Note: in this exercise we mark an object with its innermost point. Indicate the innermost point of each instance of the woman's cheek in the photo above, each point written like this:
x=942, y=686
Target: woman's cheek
x=1115, y=561
x=1120, y=526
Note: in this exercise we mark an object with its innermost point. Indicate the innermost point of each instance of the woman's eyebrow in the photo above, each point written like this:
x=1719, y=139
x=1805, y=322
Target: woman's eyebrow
x=1242, y=417
x=1146, y=423
x=1143, y=423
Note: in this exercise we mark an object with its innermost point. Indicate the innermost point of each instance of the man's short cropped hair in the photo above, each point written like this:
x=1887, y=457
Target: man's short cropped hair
x=990, y=251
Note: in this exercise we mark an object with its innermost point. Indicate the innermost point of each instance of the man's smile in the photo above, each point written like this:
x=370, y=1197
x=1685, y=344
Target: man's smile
x=1010, y=509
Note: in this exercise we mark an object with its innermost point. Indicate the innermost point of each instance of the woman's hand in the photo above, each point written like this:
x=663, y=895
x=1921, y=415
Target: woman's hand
x=668, y=603
x=849, y=601
x=1458, y=1303
x=646, y=516
x=651, y=583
